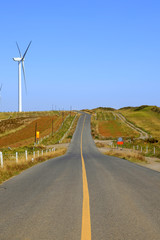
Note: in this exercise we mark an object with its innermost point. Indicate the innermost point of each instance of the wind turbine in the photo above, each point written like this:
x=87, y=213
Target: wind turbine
x=0, y=92
x=21, y=60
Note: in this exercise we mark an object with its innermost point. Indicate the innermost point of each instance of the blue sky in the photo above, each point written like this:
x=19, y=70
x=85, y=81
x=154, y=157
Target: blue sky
x=84, y=54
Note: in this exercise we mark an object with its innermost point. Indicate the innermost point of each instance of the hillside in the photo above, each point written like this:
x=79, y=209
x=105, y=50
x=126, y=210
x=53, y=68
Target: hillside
x=145, y=117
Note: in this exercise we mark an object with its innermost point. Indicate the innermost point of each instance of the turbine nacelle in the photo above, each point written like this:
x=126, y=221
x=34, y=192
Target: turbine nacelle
x=17, y=59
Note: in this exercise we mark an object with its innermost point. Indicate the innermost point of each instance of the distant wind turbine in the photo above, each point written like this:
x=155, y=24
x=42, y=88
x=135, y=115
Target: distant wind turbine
x=21, y=60
x=0, y=92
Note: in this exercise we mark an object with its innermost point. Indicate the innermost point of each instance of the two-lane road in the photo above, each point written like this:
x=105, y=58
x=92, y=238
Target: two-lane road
x=81, y=196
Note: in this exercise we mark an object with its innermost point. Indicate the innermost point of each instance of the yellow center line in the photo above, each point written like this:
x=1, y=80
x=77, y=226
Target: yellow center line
x=86, y=221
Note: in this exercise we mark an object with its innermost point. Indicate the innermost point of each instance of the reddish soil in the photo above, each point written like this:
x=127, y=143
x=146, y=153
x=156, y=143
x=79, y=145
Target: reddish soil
x=112, y=128
x=26, y=135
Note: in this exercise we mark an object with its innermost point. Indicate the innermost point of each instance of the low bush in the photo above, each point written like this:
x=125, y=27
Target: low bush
x=151, y=140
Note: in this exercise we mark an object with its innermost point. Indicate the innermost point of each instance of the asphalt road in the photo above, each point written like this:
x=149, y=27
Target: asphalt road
x=110, y=197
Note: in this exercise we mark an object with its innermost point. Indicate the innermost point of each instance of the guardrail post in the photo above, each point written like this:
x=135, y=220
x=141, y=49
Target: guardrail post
x=146, y=149
x=1, y=156
x=16, y=157
x=26, y=155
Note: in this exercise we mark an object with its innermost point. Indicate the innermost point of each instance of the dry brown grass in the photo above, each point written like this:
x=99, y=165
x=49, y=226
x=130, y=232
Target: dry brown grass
x=11, y=168
x=128, y=155
x=100, y=145
x=12, y=125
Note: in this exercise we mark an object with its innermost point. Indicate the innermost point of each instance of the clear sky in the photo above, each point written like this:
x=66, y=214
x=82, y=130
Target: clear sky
x=84, y=53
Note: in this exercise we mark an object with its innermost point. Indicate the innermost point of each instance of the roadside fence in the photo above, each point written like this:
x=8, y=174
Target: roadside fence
x=149, y=150
x=22, y=156
x=60, y=141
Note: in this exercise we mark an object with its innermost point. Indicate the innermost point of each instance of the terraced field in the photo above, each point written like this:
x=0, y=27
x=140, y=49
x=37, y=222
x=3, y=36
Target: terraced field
x=114, y=128
x=22, y=131
x=106, y=125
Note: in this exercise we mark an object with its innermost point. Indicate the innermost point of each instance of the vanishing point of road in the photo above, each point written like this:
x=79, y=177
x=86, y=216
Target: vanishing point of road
x=82, y=195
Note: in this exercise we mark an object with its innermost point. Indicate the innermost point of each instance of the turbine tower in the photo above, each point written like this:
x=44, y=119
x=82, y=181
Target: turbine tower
x=21, y=60
x=0, y=92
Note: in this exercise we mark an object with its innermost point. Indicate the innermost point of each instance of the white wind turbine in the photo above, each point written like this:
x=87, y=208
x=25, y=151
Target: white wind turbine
x=21, y=60
x=0, y=92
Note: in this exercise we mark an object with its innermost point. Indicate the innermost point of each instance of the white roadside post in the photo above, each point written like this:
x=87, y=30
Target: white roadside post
x=38, y=153
x=16, y=157
x=42, y=152
x=33, y=154
x=141, y=148
x=154, y=150
x=1, y=156
x=26, y=155
x=147, y=149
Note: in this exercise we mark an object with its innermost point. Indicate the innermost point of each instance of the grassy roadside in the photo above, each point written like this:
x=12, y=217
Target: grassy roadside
x=105, y=125
x=38, y=152
x=69, y=135
x=12, y=168
x=148, y=148
x=135, y=157
x=57, y=136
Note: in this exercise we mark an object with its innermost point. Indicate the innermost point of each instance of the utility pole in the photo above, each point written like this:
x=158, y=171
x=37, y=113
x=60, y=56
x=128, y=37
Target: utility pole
x=62, y=116
x=52, y=127
x=35, y=133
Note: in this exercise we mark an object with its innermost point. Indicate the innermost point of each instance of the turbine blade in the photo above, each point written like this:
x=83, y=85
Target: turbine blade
x=24, y=76
x=1, y=87
x=19, y=50
x=26, y=50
